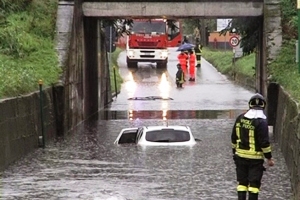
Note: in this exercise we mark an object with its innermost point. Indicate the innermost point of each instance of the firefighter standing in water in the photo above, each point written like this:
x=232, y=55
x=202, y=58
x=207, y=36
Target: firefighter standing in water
x=250, y=146
x=198, y=52
x=192, y=65
x=182, y=58
x=179, y=76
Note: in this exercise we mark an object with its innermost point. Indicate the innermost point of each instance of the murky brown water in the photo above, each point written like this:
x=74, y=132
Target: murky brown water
x=87, y=165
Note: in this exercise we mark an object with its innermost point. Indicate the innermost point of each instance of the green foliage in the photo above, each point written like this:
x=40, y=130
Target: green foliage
x=114, y=70
x=15, y=38
x=27, y=51
x=222, y=60
x=14, y=5
x=248, y=28
x=43, y=18
x=288, y=8
x=284, y=70
x=189, y=25
x=289, y=19
x=246, y=65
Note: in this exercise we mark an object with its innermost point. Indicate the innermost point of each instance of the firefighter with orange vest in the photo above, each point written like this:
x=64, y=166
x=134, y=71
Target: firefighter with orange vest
x=182, y=58
x=192, y=65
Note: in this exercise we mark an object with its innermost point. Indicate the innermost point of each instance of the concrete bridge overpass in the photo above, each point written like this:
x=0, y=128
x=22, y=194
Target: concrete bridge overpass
x=166, y=9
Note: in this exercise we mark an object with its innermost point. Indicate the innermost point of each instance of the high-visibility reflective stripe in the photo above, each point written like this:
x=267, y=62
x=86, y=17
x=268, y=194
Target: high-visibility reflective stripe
x=233, y=145
x=253, y=190
x=251, y=140
x=242, y=188
x=266, y=150
x=199, y=54
x=249, y=154
x=238, y=134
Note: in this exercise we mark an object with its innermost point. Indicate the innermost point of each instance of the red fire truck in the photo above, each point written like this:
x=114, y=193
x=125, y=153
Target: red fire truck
x=175, y=35
x=148, y=42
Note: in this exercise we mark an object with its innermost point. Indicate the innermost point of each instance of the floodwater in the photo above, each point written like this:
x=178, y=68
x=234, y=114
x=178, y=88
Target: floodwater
x=87, y=165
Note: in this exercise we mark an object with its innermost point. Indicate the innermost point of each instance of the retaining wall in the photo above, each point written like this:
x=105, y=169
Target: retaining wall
x=287, y=134
x=21, y=125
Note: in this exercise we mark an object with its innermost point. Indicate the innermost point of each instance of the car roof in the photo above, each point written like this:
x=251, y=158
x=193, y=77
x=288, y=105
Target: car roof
x=177, y=127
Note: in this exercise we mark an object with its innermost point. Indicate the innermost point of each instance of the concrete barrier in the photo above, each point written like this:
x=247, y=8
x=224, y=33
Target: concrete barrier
x=287, y=134
x=20, y=123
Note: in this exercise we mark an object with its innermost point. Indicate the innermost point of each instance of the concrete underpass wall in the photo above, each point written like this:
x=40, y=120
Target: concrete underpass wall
x=20, y=123
x=87, y=76
x=286, y=122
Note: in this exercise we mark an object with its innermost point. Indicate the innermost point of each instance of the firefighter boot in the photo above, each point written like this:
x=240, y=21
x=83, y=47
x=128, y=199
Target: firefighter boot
x=253, y=196
x=242, y=195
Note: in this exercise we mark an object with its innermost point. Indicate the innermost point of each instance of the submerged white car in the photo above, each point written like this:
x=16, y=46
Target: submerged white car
x=157, y=136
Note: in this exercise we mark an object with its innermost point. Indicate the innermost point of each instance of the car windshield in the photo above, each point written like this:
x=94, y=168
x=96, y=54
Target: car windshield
x=149, y=27
x=167, y=135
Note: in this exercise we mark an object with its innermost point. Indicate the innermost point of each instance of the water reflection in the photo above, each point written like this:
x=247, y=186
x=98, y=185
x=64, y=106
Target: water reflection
x=164, y=86
x=169, y=114
x=130, y=85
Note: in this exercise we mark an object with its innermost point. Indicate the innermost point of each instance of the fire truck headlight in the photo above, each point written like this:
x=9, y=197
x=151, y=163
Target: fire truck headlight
x=130, y=53
x=164, y=54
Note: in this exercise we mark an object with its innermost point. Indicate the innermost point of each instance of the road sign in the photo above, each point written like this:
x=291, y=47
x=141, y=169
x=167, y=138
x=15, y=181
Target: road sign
x=234, y=41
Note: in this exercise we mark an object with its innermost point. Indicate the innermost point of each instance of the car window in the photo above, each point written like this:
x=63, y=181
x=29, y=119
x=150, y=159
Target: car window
x=128, y=136
x=168, y=135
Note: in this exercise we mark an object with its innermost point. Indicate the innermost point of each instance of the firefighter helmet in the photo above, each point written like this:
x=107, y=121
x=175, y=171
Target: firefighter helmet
x=257, y=101
x=178, y=65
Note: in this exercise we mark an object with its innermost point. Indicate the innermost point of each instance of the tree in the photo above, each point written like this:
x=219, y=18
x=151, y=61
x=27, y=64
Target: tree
x=248, y=28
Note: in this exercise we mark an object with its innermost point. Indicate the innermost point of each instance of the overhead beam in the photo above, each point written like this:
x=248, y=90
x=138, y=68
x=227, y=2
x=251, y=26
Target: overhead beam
x=172, y=9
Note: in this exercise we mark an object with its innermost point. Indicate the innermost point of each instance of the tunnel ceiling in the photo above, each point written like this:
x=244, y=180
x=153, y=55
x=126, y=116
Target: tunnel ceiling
x=171, y=9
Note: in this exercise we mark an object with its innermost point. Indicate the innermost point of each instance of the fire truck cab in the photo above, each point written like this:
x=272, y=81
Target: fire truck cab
x=147, y=42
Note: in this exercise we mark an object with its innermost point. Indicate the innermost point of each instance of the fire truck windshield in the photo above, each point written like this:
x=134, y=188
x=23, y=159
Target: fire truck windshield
x=149, y=27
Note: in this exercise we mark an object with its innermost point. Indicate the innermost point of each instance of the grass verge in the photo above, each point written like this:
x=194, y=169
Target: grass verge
x=27, y=51
x=222, y=60
x=115, y=77
x=283, y=70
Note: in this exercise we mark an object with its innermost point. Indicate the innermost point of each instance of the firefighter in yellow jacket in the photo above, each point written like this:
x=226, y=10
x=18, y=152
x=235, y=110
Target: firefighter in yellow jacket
x=198, y=52
x=250, y=146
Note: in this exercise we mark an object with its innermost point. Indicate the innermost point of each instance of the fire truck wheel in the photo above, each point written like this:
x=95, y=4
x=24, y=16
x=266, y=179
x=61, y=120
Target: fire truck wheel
x=132, y=64
x=161, y=65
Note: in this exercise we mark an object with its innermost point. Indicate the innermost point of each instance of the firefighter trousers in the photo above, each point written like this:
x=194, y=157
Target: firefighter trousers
x=249, y=173
x=198, y=57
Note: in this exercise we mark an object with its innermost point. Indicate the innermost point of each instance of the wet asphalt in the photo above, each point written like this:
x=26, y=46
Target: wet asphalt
x=87, y=165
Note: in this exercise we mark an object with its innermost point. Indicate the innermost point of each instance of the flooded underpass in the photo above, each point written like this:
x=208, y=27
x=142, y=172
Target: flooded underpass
x=87, y=164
